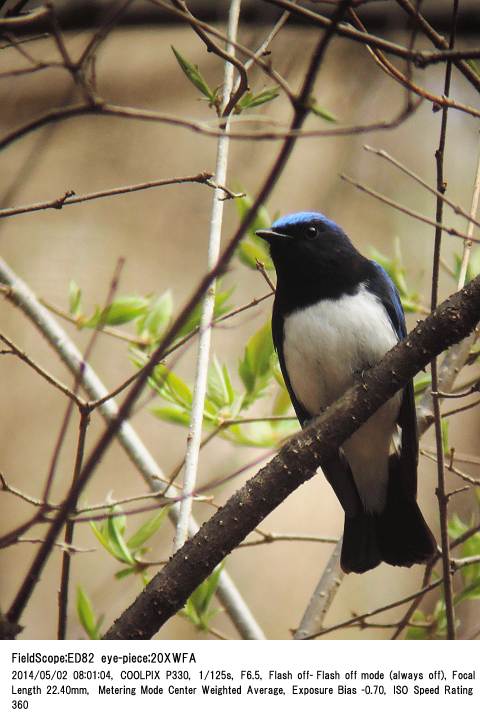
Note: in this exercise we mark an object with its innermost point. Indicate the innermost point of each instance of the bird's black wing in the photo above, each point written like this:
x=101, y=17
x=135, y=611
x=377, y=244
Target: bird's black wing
x=384, y=288
x=335, y=469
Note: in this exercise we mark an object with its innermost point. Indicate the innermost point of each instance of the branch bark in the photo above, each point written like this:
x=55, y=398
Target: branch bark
x=296, y=462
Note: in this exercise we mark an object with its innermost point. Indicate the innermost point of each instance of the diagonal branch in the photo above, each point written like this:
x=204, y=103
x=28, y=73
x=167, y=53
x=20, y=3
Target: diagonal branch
x=296, y=462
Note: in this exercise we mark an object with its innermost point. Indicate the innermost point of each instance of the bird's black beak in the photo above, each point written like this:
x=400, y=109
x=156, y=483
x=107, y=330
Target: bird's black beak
x=271, y=236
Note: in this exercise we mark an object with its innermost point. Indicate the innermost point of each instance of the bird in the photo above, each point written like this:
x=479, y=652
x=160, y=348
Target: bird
x=335, y=314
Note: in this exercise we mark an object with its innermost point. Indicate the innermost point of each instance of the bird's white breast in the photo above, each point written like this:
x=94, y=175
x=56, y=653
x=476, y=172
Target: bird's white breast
x=325, y=347
x=327, y=343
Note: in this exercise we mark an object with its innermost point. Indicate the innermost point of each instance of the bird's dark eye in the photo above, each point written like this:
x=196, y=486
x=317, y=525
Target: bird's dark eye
x=311, y=232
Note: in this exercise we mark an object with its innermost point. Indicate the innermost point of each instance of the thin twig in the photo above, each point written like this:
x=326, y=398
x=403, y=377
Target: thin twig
x=109, y=109
x=208, y=304
x=441, y=486
x=406, y=81
x=69, y=531
x=455, y=207
x=271, y=537
x=69, y=198
x=42, y=372
x=472, y=481
x=439, y=41
x=408, y=211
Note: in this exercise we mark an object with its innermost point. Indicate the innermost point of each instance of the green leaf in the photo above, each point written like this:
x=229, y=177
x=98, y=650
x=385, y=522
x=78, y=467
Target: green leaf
x=266, y=434
x=117, y=541
x=172, y=387
x=456, y=526
x=445, y=444
x=198, y=606
x=125, y=572
x=172, y=414
x=157, y=318
x=86, y=615
x=253, y=247
x=250, y=100
x=250, y=251
x=74, y=299
x=147, y=530
x=103, y=539
x=282, y=404
x=231, y=396
x=220, y=307
x=321, y=111
x=421, y=382
x=255, y=368
x=473, y=266
x=194, y=76
x=124, y=309
x=217, y=390
x=474, y=65
x=420, y=632
x=470, y=592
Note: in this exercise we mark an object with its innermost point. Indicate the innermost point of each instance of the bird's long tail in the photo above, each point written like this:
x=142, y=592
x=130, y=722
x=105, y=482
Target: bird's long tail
x=398, y=535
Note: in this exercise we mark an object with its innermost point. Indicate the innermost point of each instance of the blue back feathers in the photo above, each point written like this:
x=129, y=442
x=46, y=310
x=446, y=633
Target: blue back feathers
x=393, y=303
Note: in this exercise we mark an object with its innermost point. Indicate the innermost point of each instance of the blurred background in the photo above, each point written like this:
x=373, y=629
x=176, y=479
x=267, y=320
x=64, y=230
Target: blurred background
x=162, y=233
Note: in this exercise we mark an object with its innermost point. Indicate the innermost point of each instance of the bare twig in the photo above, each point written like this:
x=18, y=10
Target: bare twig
x=23, y=21
x=408, y=211
x=109, y=109
x=70, y=198
x=322, y=597
x=455, y=207
x=441, y=487
x=439, y=41
x=261, y=267
x=270, y=537
x=208, y=304
x=44, y=374
x=69, y=531
x=406, y=80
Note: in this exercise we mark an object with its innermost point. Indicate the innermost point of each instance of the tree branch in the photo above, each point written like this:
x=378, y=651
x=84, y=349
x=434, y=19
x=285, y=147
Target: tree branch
x=297, y=461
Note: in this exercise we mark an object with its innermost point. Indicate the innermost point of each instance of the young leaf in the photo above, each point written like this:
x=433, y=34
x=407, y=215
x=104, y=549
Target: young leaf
x=122, y=552
x=124, y=309
x=147, y=530
x=320, y=111
x=197, y=608
x=250, y=251
x=86, y=615
x=249, y=100
x=172, y=414
x=420, y=632
x=282, y=404
x=157, y=318
x=252, y=247
x=421, y=382
x=445, y=445
x=74, y=299
x=474, y=65
x=194, y=76
x=255, y=367
x=170, y=386
x=220, y=307
x=217, y=390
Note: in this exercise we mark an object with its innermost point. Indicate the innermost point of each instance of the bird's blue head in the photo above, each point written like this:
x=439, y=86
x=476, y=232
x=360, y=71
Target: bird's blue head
x=308, y=243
